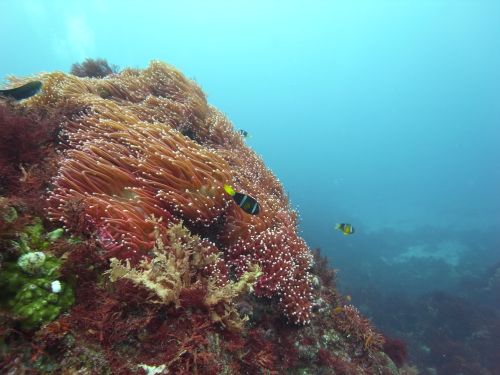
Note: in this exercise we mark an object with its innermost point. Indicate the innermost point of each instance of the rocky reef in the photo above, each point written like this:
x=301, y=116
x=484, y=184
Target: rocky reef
x=121, y=253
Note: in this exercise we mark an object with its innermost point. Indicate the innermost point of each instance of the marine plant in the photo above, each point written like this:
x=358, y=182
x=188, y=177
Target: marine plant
x=396, y=350
x=93, y=68
x=24, y=140
x=189, y=265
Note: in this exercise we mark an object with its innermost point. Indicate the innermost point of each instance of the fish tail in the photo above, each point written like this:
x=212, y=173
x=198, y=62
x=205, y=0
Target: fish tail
x=229, y=190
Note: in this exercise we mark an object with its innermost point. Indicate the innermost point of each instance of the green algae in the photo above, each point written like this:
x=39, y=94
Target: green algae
x=29, y=286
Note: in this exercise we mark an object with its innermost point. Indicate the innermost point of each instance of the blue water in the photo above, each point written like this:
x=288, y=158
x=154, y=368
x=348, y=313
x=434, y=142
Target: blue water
x=383, y=114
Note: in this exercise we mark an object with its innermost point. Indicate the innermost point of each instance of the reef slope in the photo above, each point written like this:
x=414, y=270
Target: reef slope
x=166, y=273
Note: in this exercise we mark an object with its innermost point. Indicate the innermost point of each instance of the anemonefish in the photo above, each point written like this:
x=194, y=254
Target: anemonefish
x=244, y=133
x=22, y=92
x=246, y=202
x=345, y=228
x=338, y=310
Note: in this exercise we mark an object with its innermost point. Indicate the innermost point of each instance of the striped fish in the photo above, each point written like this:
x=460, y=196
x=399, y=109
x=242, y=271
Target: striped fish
x=345, y=228
x=246, y=202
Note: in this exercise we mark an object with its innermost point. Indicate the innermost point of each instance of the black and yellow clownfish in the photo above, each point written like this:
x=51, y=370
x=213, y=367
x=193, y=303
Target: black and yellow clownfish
x=246, y=202
x=345, y=228
x=243, y=133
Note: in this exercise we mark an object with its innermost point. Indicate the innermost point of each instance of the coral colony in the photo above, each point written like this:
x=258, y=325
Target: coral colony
x=158, y=269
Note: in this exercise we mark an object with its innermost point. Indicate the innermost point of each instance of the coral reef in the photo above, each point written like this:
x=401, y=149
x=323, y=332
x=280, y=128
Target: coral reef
x=169, y=274
x=127, y=159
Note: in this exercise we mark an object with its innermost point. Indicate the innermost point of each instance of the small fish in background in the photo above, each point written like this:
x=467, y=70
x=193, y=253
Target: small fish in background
x=246, y=202
x=243, y=133
x=345, y=228
x=22, y=92
x=338, y=310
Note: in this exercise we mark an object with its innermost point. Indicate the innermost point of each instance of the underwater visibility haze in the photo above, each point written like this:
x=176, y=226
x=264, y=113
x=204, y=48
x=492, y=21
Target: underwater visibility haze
x=380, y=119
